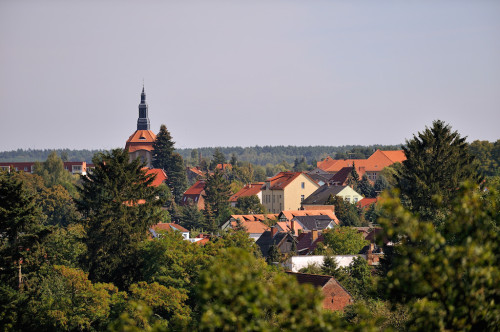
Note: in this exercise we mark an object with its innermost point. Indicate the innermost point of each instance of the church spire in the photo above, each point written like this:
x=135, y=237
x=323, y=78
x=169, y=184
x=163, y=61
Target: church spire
x=143, y=120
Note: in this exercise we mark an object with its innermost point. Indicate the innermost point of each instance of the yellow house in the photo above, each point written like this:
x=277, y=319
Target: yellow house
x=286, y=191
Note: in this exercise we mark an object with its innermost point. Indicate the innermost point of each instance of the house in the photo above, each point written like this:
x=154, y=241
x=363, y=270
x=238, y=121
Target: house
x=288, y=215
x=321, y=195
x=140, y=143
x=284, y=241
x=169, y=227
x=194, y=174
x=286, y=190
x=367, y=202
x=336, y=297
x=318, y=222
x=195, y=195
x=371, y=166
x=308, y=241
x=320, y=176
x=248, y=190
x=341, y=178
x=74, y=167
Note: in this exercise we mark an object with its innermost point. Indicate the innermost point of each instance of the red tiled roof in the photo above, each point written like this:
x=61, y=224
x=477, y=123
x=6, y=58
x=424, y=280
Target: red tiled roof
x=366, y=202
x=166, y=226
x=248, y=190
x=253, y=227
x=196, y=189
x=224, y=166
x=160, y=176
x=197, y=171
x=290, y=214
x=376, y=162
x=140, y=140
x=282, y=179
x=254, y=217
x=286, y=226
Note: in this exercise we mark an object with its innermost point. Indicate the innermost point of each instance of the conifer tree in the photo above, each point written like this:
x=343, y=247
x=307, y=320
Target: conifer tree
x=165, y=158
x=437, y=162
x=217, y=158
x=217, y=193
x=365, y=188
x=119, y=206
x=353, y=178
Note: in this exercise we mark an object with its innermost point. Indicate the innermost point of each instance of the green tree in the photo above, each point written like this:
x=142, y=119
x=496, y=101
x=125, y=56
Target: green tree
x=346, y=212
x=21, y=233
x=358, y=278
x=53, y=173
x=437, y=162
x=344, y=240
x=381, y=184
x=119, y=206
x=217, y=193
x=172, y=163
x=217, y=158
x=353, y=177
x=330, y=267
x=190, y=217
x=365, y=188
x=234, y=160
x=241, y=293
x=250, y=205
x=448, y=277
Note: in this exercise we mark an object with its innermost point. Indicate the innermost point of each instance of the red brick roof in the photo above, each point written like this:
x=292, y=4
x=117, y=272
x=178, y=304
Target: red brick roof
x=160, y=176
x=167, y=226
x=366, y=202
x=283, y=179
x=196, y=189
x=376, y=162
x=224, y=166
x=253, y=227
x=254, y=217
x=248, y=190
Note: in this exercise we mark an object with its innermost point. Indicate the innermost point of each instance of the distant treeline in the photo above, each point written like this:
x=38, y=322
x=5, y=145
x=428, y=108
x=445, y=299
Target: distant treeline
x=487, y=154
x=262, y=155
x=41, y=155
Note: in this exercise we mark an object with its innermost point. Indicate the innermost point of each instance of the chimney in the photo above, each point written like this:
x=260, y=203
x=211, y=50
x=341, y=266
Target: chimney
x=274, y=230
x=314, y=233
x=292, y=226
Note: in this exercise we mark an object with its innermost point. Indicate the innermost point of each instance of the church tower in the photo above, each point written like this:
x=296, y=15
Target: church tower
x=140, y=144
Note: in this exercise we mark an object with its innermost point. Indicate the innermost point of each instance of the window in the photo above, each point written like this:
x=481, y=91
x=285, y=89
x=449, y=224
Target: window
x=303, y=185
x=301, y=198
x=348, y=198
x=355, y=199
x=26, y=168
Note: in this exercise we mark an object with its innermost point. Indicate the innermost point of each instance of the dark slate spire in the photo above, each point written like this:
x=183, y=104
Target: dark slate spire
x=143, y=121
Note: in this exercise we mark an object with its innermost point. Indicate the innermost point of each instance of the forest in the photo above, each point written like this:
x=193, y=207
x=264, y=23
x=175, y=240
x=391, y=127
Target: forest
x=76, y=253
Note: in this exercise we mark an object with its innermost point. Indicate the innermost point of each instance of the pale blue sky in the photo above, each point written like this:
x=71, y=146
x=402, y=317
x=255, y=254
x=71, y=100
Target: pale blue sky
x=226, y=73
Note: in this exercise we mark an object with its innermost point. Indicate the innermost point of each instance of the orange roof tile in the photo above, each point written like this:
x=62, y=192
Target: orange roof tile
x=376, y=162
x=196, y=189
x=290, y=214
x=224, y=166
x=167, y=226
x=283, y=179
x=248, y=190
x=366, y=202
x=160, y=176
x=254, y=227
x=254, y=217
x=286, y=226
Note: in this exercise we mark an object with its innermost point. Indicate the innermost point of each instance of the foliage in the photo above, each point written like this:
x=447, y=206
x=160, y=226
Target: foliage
x=437, y=162
x=64, y=246
x=488, y=156
x=21, y=232
x=365, y=188
x=190, y=217
x=353, y=177
x=171, y=162
x=241, y=293
x=448, y=278
x=53, y=173
x=119, y=206
x=217, y=193
x=346, y=212
x=217, y=158
x=344, y=240
x=358, y=278
x=250, y=205
x=67, y=300
x=381, y=184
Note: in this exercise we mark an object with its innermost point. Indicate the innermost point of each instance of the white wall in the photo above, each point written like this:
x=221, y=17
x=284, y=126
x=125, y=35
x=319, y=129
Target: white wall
x=296, y=263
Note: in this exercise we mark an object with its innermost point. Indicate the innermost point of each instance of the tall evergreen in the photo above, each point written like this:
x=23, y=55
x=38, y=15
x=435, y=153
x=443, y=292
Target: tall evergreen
x=165, y=158
x=217, y=192
x=119, y=206
x=217, y=158
x=353, y=178
x=365, y=188
x=437, y=162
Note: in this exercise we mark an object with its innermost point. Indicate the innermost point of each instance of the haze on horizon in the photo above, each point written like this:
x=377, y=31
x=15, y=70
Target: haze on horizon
x=246, y=73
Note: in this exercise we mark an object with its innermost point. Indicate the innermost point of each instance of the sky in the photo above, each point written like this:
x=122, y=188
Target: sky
x=246, y=73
